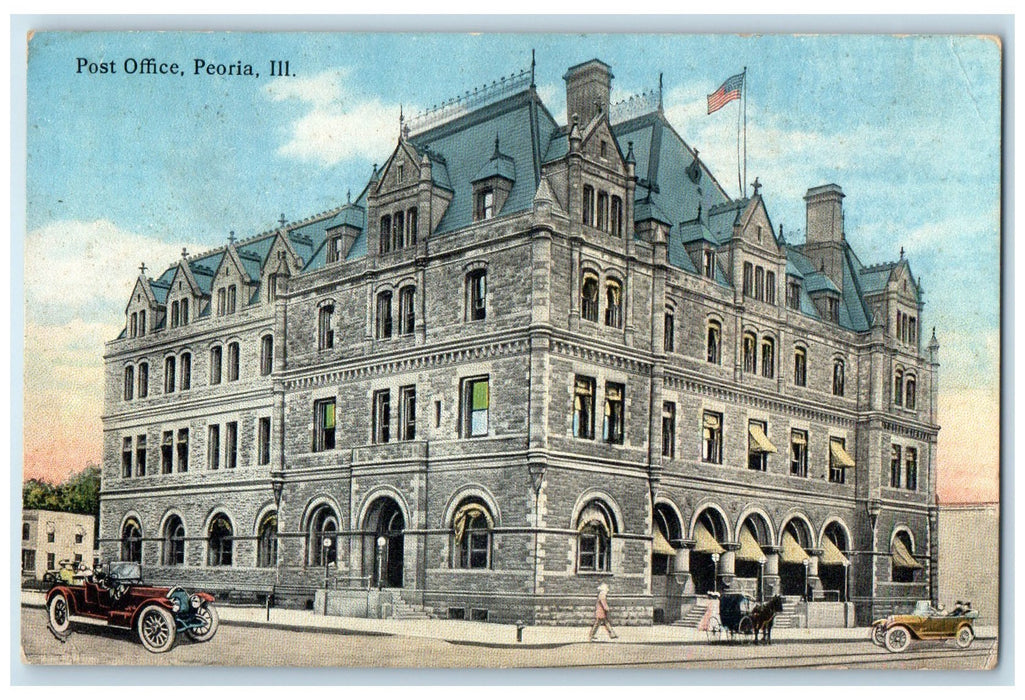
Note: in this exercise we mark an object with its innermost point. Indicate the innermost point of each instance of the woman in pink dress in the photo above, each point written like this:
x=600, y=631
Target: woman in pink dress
x=711, y=611
x=601, y=613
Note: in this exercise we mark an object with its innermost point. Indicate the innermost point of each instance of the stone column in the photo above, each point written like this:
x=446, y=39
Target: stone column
x=814, y=583
x=770, y=573
x=727, y=565
x=681, y=570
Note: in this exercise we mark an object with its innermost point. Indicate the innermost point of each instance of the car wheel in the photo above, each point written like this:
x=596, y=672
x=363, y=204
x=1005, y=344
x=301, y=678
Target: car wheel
x=879, y=636
x=898, y=638
x=59, y=613
x=207, y=614
x=965, y=637
x=156, y=628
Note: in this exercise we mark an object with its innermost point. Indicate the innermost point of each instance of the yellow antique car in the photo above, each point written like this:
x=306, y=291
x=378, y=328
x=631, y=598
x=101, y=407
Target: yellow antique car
x=926, y=622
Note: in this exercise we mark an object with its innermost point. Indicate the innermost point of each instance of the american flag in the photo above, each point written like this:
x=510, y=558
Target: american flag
x=727, y=92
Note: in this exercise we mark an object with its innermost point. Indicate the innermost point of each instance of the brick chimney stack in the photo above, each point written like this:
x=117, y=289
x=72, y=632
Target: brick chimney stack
x=824, y=234
x=588, y=87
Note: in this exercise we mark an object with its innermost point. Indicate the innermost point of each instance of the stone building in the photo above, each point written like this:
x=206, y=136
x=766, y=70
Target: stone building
x=49, y=537
x=526, y=359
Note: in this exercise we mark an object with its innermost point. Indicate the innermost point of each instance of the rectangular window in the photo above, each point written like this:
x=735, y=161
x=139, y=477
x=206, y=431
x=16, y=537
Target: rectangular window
x=407, y=310
x=186, y=371
x=126, y=458
x=183, y=449
x=836, y=469
x=169, y=375
x=476, y=405
x=407, y=413
x=51, y=537
x=895, y=466
x=588, y=205
x=129, y=383
x=800, y=367
x=325, y=333
x=669, y=429
x=583, y=407
x=768, y=358
x=757, y=457
x=233, y=362
x=167, y=452
x=231, y=299
x=231, y=445
x=324, y=425
x=477, y=294
x=711, y=439
x=263, y=441
x=384, y=315
x=911, y=464
x=617, y=217
x=794, y=295
x=486, y=204
x=603, y=211
x=798, y=453
x=760, y=283
x=140, y=455
x=714, y=346
x=26, y=530
x=143, y=380
x=216, y=354
x=669, y=332
x=28, y=559
x=382, y=416
x=709, y=264
x=213, y=447
x=221, y=299
x=411, y=226
x=266, y=354
x=612, y=425
x=51, y=560
x=770, y=287
x=79, y=538
x=833, y=310
x=185, y=312
x=749, y=274
x=334, y=249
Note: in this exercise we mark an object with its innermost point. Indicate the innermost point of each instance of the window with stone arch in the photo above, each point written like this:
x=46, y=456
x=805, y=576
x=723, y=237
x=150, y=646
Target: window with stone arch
x=589, y=297
x=713, y=344
x=220, y=541
x=322, y=543
x=129, y=383
x=800, y=366
x=909, y=392
x=472, y=525
x=476, y=295
x=174, y=542
x=613, y=303
x=838, y=376
x=768, y=357
x=749, y=351
x=595, y=528
x=267, y=541
x=898, y=387
x=143, y=380
x=131, y=541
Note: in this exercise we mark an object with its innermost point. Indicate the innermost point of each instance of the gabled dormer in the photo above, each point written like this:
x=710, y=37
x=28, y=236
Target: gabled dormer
x=903, y=304
x=280, y=263
x=700, y=244
x=407, y=199
x=343, y=230
x=232, y=284
x=758, y=258
x=492, y=184
x=142, y=311
x=184, y=296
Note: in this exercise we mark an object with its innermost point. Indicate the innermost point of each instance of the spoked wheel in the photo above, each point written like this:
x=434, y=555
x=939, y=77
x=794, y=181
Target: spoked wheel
x=156, y=629
x=898, y=639
x=59, y=614
x=208, y=615
x=965, y=637
x=879, y=636
x=746, y=626
x=714, y=631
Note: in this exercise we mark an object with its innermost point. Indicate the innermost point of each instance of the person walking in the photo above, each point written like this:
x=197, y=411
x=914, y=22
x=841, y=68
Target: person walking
x=601, y=613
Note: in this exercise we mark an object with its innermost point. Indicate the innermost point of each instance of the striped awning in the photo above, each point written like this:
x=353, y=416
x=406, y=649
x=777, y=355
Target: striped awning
x=749, y=547
x=900, y=556
x=840, y=455
x=660, y=545
x=704, y=541
x=761, y=441
x=831, y=554
x=792, y=553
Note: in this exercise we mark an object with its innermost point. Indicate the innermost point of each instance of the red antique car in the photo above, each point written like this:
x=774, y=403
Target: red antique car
x=117, y=597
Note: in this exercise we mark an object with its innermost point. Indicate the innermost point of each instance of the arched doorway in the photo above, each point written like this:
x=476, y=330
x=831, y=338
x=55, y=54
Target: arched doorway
x=794, y=558
x=754, y=534
x=383, y=530
x=666, y=533
x=131, y=541
x=709, y=534
x=834, y=564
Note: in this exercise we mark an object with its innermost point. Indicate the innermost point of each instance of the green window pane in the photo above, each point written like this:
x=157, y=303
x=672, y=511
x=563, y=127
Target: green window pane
x=329, y=415
x=480, y=395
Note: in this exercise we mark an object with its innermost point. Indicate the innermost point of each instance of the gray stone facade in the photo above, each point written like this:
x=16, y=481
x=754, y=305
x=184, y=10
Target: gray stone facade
x=540, y=483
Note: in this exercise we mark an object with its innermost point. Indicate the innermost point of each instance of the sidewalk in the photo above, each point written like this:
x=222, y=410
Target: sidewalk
x=491, y=634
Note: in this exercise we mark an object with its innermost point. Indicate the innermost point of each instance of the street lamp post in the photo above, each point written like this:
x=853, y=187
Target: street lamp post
x=324, y=548
x=715, y=573
x=382, y=541
x=761, y=578
x=807, y=563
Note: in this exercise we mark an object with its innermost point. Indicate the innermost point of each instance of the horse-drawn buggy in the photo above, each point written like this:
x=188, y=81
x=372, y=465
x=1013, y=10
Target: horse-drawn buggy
x=737, y=613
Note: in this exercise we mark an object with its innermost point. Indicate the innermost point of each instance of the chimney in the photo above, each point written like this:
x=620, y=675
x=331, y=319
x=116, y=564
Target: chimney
x=588, y=86
x=824, y=223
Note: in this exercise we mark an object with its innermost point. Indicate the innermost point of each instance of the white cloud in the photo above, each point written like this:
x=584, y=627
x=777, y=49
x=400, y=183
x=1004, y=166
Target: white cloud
x=337, y=126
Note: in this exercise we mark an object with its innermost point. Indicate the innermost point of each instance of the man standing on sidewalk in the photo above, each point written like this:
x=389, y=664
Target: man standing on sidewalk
x=601, y=613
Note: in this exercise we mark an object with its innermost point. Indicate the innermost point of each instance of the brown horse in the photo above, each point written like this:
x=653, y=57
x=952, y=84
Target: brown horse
x=763, y=615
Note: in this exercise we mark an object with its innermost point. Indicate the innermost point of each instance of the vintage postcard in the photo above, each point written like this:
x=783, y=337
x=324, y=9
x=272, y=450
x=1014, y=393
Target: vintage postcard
x=512, y=350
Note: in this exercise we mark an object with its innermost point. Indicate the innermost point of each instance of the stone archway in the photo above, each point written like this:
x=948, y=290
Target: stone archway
x=383, y=543
x=834, y=564
x=753, y=535
x=710, y=534
x=795, y=561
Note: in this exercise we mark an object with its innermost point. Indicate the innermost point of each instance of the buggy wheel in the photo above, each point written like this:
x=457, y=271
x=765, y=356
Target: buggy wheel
x=714, y=631
x=898, y=638
x=156, y=628
x=965, y=637
x=746, y=626
x=879, y=636
x=59, y=614
x=207, y=614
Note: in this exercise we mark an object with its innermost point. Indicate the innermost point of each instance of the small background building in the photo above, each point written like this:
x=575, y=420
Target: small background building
x=49, y=536
x=969, y=561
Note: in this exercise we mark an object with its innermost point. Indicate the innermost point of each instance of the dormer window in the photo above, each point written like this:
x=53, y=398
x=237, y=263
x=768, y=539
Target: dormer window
x=142, y=323
x=604, y=149
x=231, y=299
x=794, y=295
x=400, y=172
x=485, y=204
x=708, y=267
x=334, y=249
x=833, y=309
x=184, y=306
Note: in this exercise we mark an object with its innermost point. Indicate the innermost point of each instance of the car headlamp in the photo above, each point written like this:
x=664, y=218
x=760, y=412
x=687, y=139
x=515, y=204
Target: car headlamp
x=176, y=605
x=195, y=601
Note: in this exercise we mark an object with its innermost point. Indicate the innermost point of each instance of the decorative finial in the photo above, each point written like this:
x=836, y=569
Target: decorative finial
x=348, y=196
x=902, y=252
x=532, y=64
x=142, y=269
x=756, y=185
x=660, y=95
x=185, y=253
x=496, y=146
x=282, y=219
x=630, y=152
x=231, y=237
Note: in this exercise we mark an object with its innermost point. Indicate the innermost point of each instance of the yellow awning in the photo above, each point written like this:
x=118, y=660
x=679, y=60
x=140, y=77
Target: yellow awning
x=749, y=548
x=659, y=545
x=761, y=440
x=840, y=455
x=901, y=557
x=704, y=542
x=792, y=553
x=465, y=513
x=831, y=554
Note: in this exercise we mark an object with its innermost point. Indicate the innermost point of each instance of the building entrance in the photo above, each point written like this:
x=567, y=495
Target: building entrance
x=383, y=540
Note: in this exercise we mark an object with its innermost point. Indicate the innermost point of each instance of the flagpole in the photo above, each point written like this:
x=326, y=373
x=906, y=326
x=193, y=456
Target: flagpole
x=743, y=84
x=740, y=180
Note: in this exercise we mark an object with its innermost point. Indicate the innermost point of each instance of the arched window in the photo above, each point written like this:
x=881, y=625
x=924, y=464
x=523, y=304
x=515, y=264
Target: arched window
x=384, y=315
x=407, y=309
x=131, y=541
x=186, y=370
x=669, y=330
x=129, y=383
x=588, y=205
x=749, y=352
x=323, y=537
x=220, y=541
x=325, y=333
x=595, y=528
x=385, y=234
x=898, y=387
x=267, y=541
x=169, y=375
x=768, y=358
x=174, y=542
x=266, y=354
x=613, y=303
x=714, y=342
x=909, y=392
x=800, y=367
x=216, y=354
x=232, y=362
x=589, y=298
x=471, y=526
x=476, y=295
x=838, y=377
x=903, y=564
x=143, y=380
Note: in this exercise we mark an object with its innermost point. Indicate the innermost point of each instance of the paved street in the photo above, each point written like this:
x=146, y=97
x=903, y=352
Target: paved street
x=266, y=646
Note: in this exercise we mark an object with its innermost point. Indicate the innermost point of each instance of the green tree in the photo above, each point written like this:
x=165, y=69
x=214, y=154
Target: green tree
x=79, y=493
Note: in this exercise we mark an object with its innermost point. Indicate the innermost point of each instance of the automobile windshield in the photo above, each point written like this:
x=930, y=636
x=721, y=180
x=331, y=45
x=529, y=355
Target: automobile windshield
x=125, y=570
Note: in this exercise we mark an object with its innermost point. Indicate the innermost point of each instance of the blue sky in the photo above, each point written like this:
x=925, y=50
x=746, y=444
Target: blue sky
x=126, y=168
